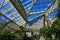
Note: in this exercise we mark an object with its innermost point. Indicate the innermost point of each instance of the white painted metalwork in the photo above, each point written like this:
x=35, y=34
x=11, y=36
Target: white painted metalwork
x=12, y=25
x=6, y=2
x=7, y=10
x=18, y=19
x=21, y=22
x=37, y=25
x=34, y=18
x=26, y=2
x=12, y=13
x=29, y=5
x=52, y=8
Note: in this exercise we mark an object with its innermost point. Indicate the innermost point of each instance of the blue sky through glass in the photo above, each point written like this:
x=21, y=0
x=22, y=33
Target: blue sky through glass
x=39, y=6
x=3, y=19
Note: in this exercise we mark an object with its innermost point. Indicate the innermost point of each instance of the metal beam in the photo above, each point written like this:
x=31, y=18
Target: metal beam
x=32, y=6
x=8, y=19
x=46, y=11
x=20, y=9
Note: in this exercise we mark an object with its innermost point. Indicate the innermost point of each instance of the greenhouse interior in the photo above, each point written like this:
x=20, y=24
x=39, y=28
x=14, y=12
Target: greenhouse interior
x=29, y=19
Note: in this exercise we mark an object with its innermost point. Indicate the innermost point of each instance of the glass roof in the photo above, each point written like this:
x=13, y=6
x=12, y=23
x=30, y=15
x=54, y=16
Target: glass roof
x=3, y=19
x=10, y=12
x=38, y=6
x=30, y=6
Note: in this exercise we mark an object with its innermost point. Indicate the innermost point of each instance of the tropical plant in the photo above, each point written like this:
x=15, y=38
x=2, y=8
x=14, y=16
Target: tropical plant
x=20, y=33
x=47, y=32
x=7, y=35
x=12, y=35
